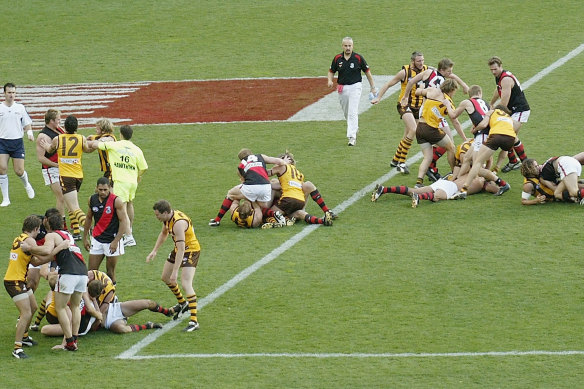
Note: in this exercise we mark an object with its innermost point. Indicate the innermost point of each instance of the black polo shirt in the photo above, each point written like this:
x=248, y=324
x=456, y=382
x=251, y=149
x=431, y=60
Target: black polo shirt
x=349, y=71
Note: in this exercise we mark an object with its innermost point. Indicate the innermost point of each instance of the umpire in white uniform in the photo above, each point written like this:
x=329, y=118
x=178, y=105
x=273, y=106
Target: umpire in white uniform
x=350, y=65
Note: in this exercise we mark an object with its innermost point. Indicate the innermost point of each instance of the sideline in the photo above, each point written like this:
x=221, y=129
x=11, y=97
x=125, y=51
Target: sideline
x=135, y=349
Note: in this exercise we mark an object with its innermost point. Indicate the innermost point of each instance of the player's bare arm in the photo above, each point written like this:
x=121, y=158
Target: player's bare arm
x=399, y=77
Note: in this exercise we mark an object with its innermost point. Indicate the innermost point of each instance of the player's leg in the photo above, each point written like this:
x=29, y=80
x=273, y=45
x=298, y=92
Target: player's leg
x=4, y=180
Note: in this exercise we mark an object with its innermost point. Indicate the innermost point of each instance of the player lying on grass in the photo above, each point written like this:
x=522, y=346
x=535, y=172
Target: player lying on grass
x=556, y=179
x=442, y=189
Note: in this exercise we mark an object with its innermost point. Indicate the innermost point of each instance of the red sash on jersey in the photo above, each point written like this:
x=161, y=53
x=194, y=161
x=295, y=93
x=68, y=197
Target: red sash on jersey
x=106, y=216
x=73, y=248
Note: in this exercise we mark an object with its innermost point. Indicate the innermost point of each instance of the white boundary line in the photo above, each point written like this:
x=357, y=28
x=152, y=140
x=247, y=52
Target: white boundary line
x=362, y=355
x=132, y=351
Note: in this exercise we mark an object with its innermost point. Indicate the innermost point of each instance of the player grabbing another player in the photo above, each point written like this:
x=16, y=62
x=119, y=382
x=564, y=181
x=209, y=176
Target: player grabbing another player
x=15, y=283
x=185, y=256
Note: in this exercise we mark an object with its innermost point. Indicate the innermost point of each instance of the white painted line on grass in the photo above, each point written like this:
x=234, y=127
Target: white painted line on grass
x=363, y=355
x=132, y=351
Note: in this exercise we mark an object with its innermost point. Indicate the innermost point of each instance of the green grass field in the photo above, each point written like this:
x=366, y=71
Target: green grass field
x=389, y=296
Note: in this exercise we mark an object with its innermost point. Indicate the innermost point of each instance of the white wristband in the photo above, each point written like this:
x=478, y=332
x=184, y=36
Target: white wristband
x=29, y=133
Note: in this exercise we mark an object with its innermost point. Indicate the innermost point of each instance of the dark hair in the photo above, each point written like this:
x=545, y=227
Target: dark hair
x=126, y=132
x=103, y=181
x=52, y=211
x=55, y=222
x=9, y=85
x=71, y=124
x=31, y=222
x=162, y=206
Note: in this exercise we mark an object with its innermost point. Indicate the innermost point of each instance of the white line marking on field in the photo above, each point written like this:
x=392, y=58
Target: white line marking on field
x=132, y=351
x=363, y=355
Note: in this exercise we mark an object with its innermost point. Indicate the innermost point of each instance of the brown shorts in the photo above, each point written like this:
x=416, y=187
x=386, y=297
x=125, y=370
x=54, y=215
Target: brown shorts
x=191, y=258
x=289, y=205
x=70, y=184
x=14, y=288
x=428, y=134
x=51, y=319
x=401, y=110
x=498, y=141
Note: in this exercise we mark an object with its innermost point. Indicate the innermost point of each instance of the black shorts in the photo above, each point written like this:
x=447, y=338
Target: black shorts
x=498, y=141
x=428, y=134
x=401, y=110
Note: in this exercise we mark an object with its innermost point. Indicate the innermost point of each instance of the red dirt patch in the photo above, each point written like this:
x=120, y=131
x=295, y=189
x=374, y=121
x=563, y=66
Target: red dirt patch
x=216, y=101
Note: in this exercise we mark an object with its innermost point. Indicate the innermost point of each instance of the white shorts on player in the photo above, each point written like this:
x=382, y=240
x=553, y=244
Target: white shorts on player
x=446, y=186
x=98, y=248
x=568, y=165
x=69, y=283
x=51, y=175
x=521, y=117
x=114, y=313
x=349, y=98
x=253, y=193
x=479, y=140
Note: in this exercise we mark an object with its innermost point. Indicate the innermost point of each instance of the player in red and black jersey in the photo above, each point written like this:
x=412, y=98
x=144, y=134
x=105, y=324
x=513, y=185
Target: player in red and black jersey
x=511, y=94
x=255, y=185
x=49, y=161
x=60, y=246
x=111, y=222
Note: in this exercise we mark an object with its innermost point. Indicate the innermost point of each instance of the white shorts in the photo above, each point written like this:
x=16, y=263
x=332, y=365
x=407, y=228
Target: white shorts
x=449, y=187
x=114, y=313
x=257, y=192
x=521, y=117
x=51, y=175
x=479, y=140
x=69, y=283
x=568, y=165
x=98, y=248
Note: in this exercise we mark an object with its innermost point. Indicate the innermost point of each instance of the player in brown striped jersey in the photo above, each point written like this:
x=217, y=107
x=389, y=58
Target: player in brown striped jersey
x=185, y=256
x=15, y=283
x=104, y=132
x=292, y=199
x=410, y=113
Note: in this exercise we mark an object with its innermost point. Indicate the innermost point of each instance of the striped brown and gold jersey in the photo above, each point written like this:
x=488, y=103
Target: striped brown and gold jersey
x=70, y=151
x=109, y=289
x=19, y=260
x=461, y=149
x=539, y=188
x=433, y=111
x=291, y=182
x=191, y=241
x=411, y=72
x=243, y=223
